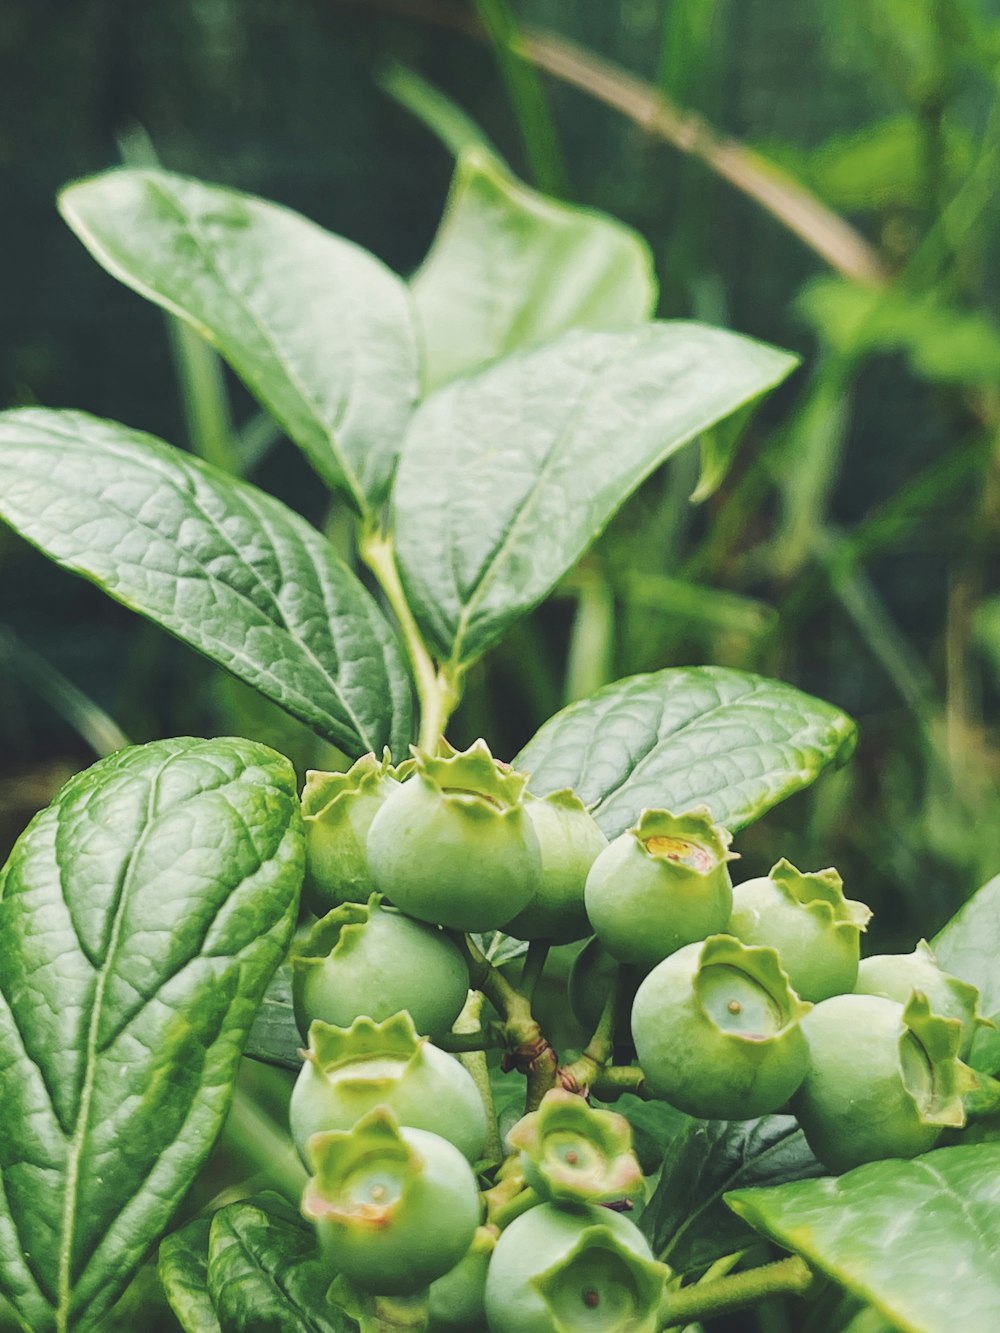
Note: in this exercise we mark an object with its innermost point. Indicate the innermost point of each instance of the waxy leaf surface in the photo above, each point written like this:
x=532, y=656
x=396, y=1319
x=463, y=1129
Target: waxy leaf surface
x=969, y=947
x=687, y=736
x=506, y=477
x=918, y=1240
x=685, y=1220
x=316, y=327
x=228, y=569
x=142, y=915
x=264, y=1272
x=183, y=1270
x=510, y=267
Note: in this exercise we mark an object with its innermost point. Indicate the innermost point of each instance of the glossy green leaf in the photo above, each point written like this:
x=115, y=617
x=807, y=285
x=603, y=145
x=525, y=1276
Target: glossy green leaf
x=687, y=736
x=655, y=1125
x=511, y=267
x=275, y=1038
x=918, y=1240
x=685, y=1220
x=316, y=327
x=506, y=477
x=969, y=947
x=264, y=1272
x=142, y=915
x=226, y=568
x=183, y=1270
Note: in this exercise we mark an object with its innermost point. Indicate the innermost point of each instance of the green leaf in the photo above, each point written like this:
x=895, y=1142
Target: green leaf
x=274, y=1037
x=226, y=568
x=316, y=327
x=944, y=344
x=511, y=267
x=507, y=477
x=685, y=1221
x=142, y=915
x=969, y=947
x=687, y=736
x=264, y=1272
x=655, y=1125
x=183, y=1269
x=918, y=1240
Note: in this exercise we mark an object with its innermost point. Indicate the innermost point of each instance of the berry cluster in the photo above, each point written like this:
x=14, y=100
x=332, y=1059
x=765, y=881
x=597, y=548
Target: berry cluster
x=744, y=1001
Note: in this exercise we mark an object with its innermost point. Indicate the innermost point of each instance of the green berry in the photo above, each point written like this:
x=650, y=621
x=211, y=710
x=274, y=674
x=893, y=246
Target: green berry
x=882, y=1080
x=660, y=885
x=338, y=809
x=394, y=1208
x=367, y=959
x=452, y=844
x=573, y=1270
x=897, y=976
x=349, y=1071
x=572, y=1153
x=806, y=918
x=717, y=1030
x=569, y=842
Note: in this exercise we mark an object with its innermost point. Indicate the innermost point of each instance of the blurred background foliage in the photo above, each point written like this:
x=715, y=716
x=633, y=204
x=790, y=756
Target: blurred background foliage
x=822, y=175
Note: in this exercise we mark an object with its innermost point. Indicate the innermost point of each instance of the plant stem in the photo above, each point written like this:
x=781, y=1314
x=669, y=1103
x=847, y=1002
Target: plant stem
x=252, y=1132
x=469, y=1025
x=513, y=1208
x=534, y=965
x=461, y=1043
x=438, y=690
x=527, y=96
x=706, y=1300
x=525, y=1045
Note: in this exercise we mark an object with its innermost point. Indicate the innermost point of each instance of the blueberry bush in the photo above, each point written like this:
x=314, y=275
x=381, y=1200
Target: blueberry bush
x=751, y=1116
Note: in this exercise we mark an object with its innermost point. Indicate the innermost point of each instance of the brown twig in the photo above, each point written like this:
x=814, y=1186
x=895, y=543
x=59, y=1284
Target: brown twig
x=825, y=232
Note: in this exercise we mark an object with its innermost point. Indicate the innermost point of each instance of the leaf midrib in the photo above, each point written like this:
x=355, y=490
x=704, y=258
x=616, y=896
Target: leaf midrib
x=78, y=1142
x=500, y=552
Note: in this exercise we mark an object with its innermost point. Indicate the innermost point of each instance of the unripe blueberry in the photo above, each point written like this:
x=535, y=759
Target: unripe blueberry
x=573, y=1270
x=349, y=1071
x=337, y=810
x=882, y=1080
x=716, y=1030
x=569, y=842
x=806, y=918
x=367, y=959
x=660, y=885
x=573, y=1153
x=453, y=845
x=897, y=976
x=394, y=1208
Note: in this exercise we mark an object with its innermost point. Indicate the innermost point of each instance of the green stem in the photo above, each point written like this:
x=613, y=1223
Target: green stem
x=513, y=1208
x=706, y=1300
x=583, y=1074
x=524, y=1042
x=534, y=965
x=611, y=1081
x=527, y=96
x=253, y=1133
x=469, y=1025
x=438, y=690
x=460, y=1043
